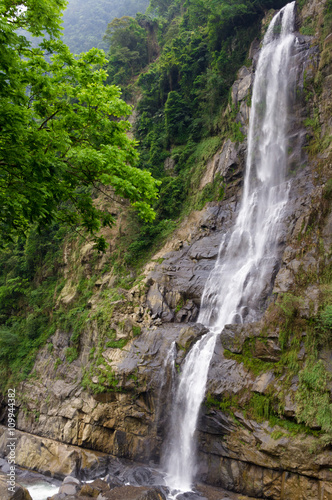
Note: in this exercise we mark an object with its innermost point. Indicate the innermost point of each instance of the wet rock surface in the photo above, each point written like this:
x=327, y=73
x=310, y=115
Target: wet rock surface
x=145, y=484
x=133, y=493
x=16, y=492
x=129, y=420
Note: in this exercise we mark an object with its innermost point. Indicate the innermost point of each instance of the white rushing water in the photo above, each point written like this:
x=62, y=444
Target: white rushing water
x=241, y=280
x=42, y=491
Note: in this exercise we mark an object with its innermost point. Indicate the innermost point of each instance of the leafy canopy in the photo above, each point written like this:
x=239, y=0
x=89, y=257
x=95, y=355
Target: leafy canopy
x=128, y=52
x=62, y=131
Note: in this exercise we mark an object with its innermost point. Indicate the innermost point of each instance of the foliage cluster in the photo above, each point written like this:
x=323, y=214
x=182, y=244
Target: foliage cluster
x=200, y=46
x=314, y=406
x=99, y=377
x=327, y=19
x=63, y=136
x=31, y=280
x=255, y=365
x=29, y=283
x=105, y=376
x=259, y=407
x=129, y=49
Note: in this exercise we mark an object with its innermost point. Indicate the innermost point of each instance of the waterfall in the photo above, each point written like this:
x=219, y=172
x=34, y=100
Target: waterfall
x=241, y=280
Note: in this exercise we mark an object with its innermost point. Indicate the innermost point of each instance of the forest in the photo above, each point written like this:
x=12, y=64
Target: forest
x=85, y=21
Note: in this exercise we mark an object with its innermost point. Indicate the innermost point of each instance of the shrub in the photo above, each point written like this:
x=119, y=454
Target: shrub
x=313, y=397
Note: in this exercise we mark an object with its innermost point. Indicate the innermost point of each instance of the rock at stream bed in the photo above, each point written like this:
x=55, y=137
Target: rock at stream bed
x=19, y=492
x=133, y=493
x=70, y=486
x=111, y=488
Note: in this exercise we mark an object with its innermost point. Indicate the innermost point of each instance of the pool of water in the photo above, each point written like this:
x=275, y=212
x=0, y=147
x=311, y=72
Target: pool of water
x=41, y=490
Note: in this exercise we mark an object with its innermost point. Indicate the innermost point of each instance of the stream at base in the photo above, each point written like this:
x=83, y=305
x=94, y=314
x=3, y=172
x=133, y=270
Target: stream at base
x=41, y=490
x=42, y=487
x=39, y=486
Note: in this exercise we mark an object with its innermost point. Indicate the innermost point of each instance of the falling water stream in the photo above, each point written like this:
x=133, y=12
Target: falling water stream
x=237, y=287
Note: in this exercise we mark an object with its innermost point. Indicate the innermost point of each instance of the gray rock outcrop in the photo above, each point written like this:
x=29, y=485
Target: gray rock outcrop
x=114, y=400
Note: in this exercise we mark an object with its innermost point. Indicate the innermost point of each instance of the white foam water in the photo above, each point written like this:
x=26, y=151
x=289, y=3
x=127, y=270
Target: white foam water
x=41, y=491
x=241, y=280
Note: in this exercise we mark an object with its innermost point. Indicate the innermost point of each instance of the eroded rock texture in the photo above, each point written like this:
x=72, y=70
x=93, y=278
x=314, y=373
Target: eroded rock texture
x=118, y=403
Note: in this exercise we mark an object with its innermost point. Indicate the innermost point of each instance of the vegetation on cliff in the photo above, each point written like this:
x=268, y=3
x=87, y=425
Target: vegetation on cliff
x=198, y=47
x=64, y=141
x=62, y=132
x=177, y=63
x=59, y=149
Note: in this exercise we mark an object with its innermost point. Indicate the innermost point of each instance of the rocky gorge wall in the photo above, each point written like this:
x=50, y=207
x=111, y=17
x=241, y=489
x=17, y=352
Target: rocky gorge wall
x=115, y=398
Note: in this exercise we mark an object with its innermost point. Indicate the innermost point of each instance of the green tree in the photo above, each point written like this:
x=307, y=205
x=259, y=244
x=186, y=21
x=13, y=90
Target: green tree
x=177, y=117
x=128, y=52
x=167, y=8
x=62, y=130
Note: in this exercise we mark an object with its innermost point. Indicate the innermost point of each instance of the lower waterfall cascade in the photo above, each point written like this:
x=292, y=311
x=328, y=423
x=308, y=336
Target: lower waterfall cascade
x=242, y=278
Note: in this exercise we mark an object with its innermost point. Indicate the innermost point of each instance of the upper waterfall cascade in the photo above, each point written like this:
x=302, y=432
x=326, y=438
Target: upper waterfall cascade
x=237, y=288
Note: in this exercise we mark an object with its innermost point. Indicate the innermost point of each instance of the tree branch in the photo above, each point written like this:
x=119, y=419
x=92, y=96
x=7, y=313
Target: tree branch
x=47, y=119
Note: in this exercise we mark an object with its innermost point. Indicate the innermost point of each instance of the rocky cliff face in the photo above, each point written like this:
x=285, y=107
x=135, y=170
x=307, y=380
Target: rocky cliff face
x=254, y=434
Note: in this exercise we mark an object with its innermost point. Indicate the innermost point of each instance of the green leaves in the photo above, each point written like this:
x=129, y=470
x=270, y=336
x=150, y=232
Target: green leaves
x=36, y=16
x=313, y=398
x=128, y=52
x=326, y=317
x=177, y=117
x=62, y=129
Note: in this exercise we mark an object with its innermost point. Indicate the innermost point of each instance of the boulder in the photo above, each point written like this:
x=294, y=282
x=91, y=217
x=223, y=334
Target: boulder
x=229, y=157
x=68, y=489
x=71, y=479
x=188, y=312
x=141, y=476
x=157, y=303
x=244, y=86
x=267, y=350
x=113, y=481
x=189, y=335
x=94, y=489
x=243, y=116
x=233, y=336
x=70, y=486
x=283, y=281
x=132, y=493
x=241, y=87
x=17, y=492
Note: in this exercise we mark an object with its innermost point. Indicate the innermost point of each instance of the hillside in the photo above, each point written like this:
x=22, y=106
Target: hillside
x=94, y=342
x=85, y=21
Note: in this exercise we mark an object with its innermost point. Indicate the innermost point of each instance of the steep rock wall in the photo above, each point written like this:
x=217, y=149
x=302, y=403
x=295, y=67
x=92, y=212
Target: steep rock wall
x=119, y=401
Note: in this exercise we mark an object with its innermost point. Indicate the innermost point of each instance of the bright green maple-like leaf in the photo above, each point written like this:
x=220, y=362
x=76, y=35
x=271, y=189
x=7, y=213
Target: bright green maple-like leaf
x=62, y=129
